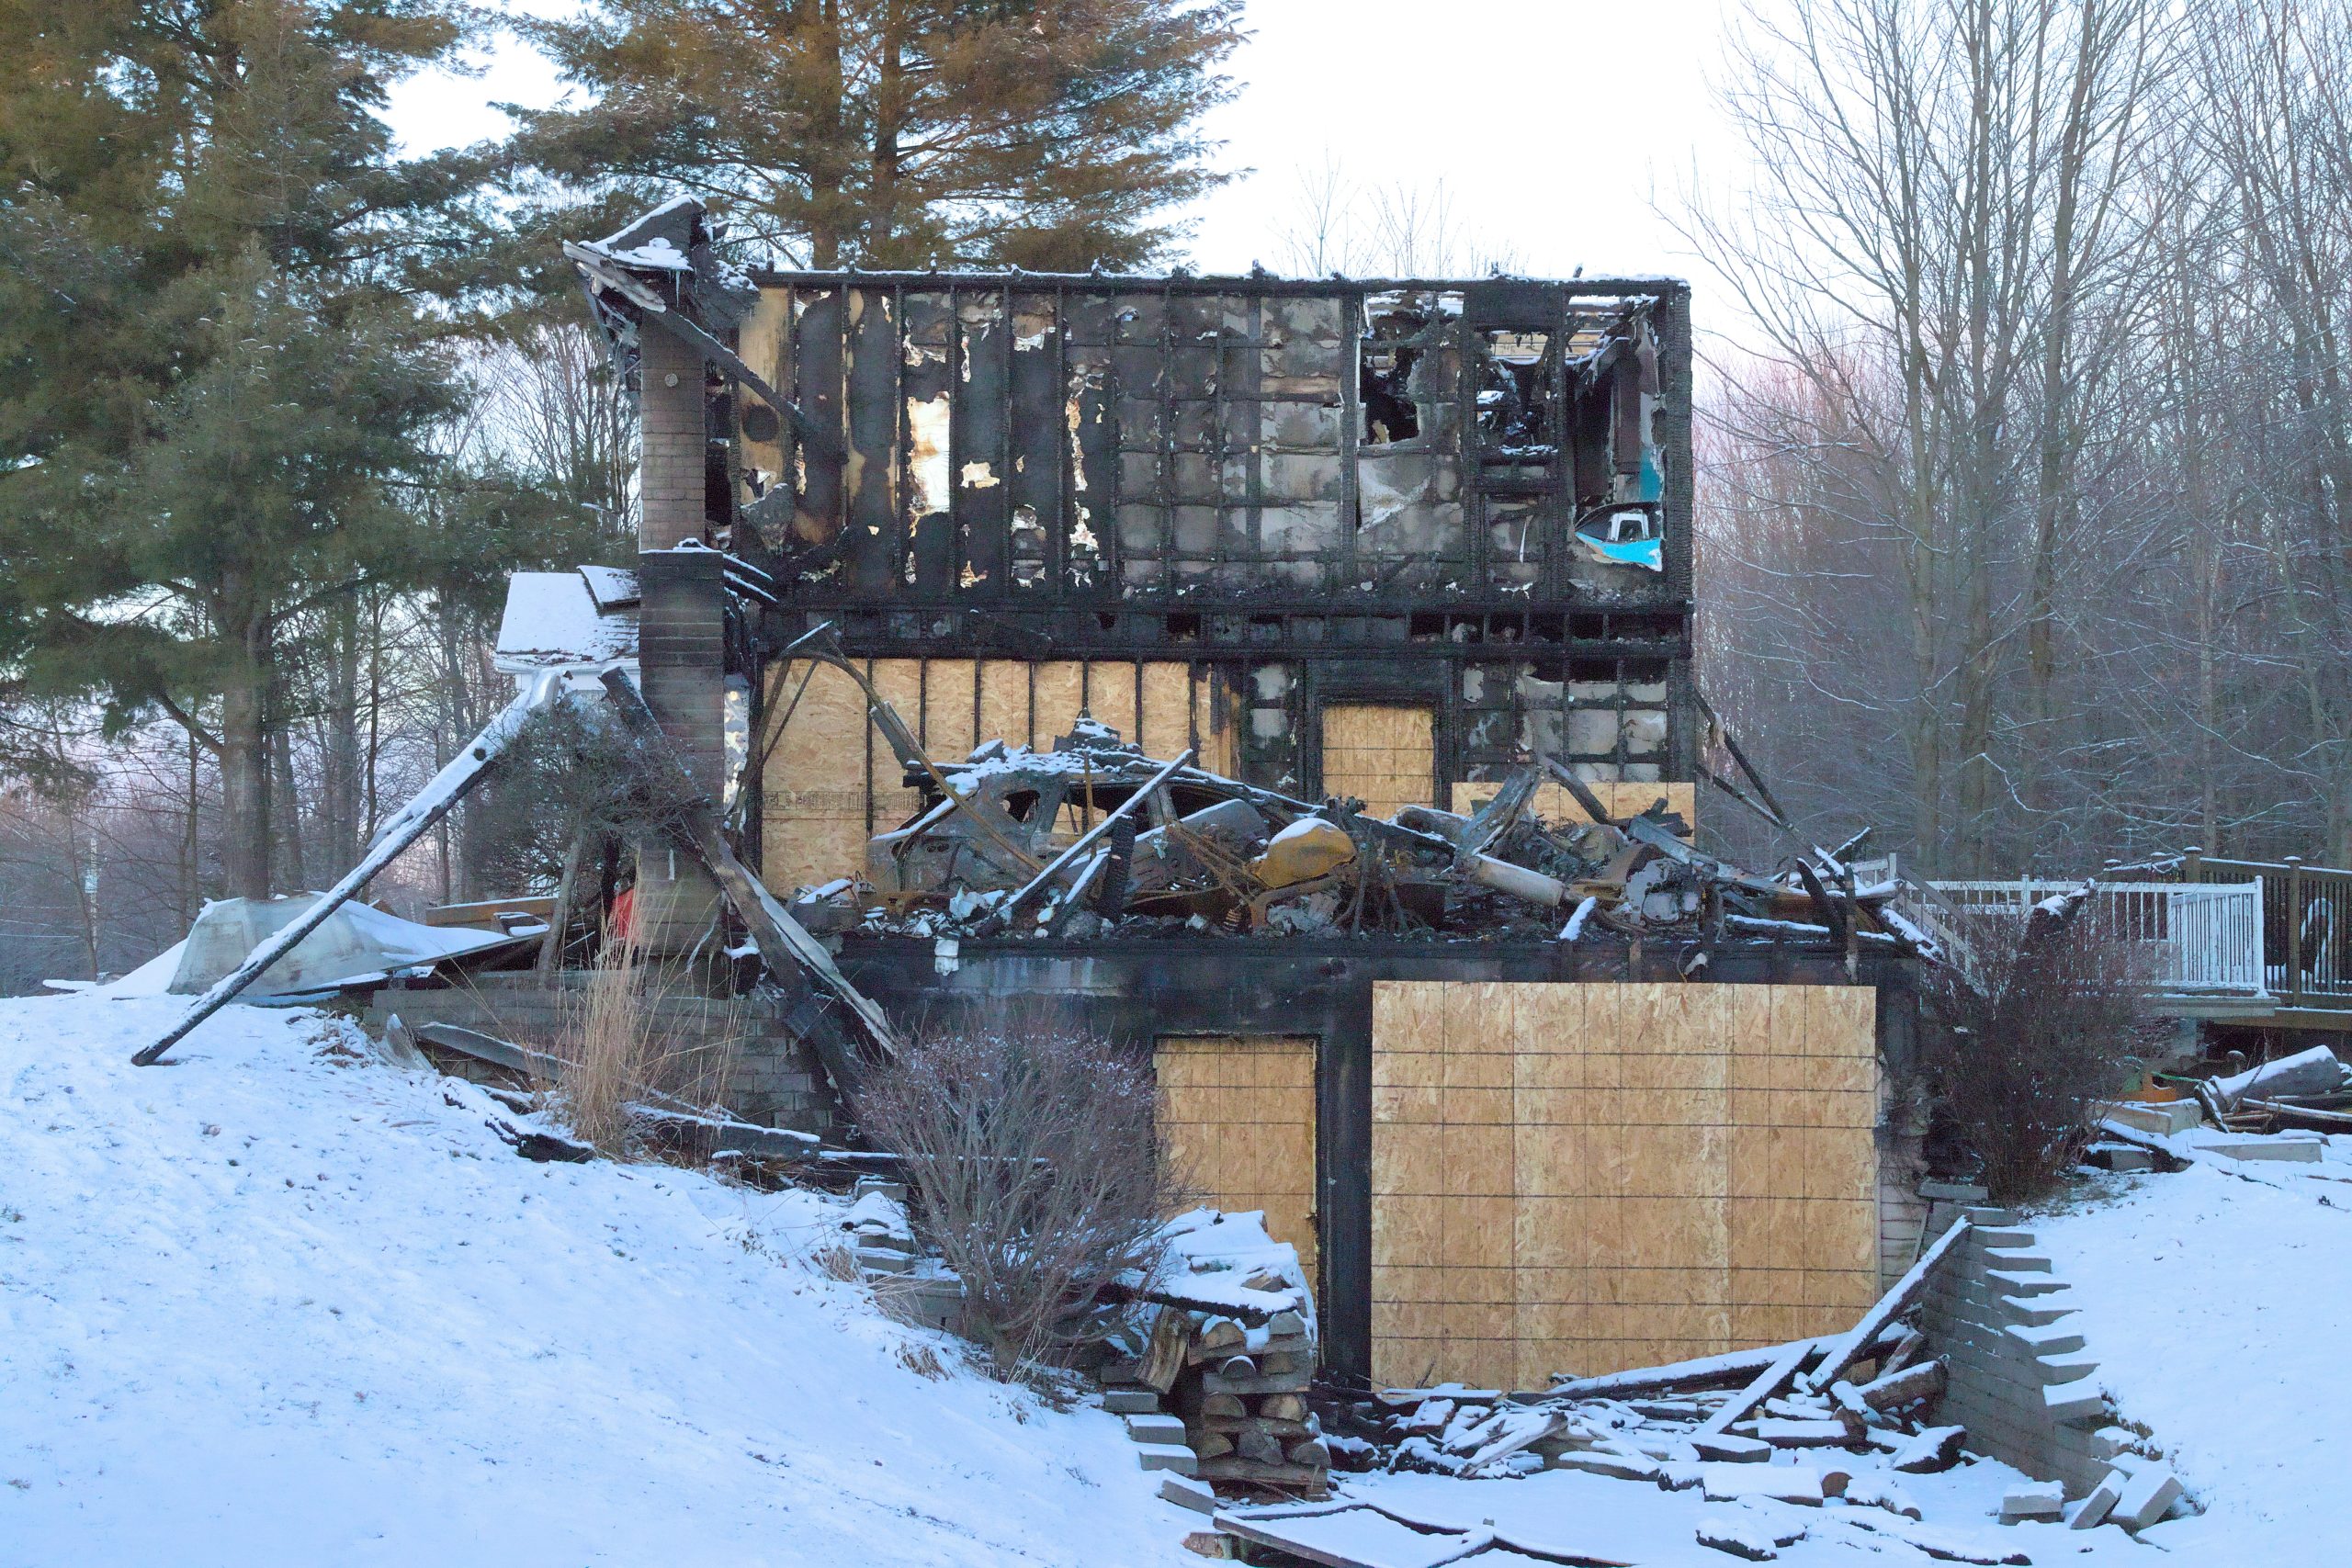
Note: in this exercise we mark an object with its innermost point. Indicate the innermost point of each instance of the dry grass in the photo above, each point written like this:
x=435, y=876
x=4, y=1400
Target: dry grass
x=617, y=1052
x=836, y=1261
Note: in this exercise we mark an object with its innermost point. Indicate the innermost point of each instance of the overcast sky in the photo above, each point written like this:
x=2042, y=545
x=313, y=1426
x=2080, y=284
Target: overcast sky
x=1557, y=126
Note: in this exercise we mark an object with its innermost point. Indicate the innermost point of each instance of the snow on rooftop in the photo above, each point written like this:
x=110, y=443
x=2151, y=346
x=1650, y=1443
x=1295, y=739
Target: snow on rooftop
x=552, y=620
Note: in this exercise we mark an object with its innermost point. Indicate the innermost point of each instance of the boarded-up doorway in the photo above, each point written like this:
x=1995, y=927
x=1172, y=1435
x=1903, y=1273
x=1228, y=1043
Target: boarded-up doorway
x=1383, y=756
x=1237, y=1114
x=1585, y=1178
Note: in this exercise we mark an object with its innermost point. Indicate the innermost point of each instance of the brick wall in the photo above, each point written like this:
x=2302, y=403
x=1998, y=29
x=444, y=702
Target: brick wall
x=2021, y=1377
x=681, y=628
x=671, y=440
x=775, y=1082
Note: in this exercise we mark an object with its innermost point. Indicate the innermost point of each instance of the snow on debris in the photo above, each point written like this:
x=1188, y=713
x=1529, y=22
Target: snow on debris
x=2217, y=1309
x=283, y=1303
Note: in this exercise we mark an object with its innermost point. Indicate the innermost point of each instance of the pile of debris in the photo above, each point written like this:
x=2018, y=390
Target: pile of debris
x=1094, y=838
x=1213, y=1374
x=2277, y=1113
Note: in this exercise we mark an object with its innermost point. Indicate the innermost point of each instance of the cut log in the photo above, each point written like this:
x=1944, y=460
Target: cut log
x=1282, y=1408
x=1261, y=1447
x=1294, y=1344
x=1227, y=1406
x=1210, y=1445
x=1233, y=1426
x=1164, y=1350
x=1219, y=1334
x=1269, y=1382
x=1911, y=1385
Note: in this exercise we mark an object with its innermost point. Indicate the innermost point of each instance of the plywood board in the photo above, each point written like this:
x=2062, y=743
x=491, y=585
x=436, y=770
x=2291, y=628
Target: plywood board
x=1554, y=804
x=1111, y=695
x=1061, y=689
x=898, y=682
x=1637, y=1201
x=950, y=708
x=1378, y=754
x=1236, y=1121
x=1167, y=709
x=813, y=791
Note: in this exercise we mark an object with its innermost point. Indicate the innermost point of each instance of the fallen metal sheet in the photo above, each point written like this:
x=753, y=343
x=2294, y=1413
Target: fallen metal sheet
x=353, y=943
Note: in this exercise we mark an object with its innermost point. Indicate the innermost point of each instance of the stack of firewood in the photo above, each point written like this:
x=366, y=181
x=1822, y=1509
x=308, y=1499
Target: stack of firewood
x=1227, y=1342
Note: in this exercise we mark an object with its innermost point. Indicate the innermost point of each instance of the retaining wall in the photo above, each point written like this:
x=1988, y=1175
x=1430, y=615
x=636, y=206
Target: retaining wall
x=2021, y=1377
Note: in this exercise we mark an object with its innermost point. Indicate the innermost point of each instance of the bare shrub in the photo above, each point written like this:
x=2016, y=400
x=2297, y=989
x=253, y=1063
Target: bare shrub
x=2019, y=1051
x=1036, y=1175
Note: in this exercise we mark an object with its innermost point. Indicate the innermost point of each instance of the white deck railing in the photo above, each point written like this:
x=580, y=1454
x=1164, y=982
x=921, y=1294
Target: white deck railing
x=2201, y=939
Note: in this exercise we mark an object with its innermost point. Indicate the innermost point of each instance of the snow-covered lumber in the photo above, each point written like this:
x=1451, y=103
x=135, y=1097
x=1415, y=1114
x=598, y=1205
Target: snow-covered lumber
x=1725, y=1371
x=412, y=822
x=1898, y=1389
x=1767, y=1382
x=1854, y=1344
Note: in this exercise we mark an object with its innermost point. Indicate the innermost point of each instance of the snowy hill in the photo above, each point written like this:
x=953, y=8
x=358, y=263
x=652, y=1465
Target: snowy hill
x=283, y=1303
x=2217, y=1305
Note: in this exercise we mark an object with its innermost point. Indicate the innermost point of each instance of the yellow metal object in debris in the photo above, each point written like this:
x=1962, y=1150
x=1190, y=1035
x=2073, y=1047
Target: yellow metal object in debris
x=1306, y=849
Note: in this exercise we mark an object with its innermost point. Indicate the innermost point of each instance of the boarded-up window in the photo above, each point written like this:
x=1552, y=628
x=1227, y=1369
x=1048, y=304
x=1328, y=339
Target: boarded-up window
x=1236, y=1117
x=1584, y=1177
x=830, y=782
x=1379, y=755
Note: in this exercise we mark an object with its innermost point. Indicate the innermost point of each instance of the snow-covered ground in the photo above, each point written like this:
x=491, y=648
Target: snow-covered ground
x=2220, y=1311
x=283, y=1303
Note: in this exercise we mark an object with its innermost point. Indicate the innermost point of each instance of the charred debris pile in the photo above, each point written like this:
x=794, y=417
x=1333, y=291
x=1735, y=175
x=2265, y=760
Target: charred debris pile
x=1095, y=840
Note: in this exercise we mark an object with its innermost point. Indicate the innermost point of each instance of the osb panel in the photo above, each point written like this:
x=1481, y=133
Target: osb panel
x=1379, y=755
x=1554, y=804
x=1214, y=724
x=1236, y=1119
x=1167, y=710
x=1004, y=702
x=817, y=806
x=1059, y=693
x=760, y=341
x=813, y=791
x=1111, y=697
x=1675, y=1171
x=899, y=683
x=947, y=731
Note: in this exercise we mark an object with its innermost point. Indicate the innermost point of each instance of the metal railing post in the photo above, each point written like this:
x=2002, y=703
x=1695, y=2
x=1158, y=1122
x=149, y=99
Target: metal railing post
x=2295, y=930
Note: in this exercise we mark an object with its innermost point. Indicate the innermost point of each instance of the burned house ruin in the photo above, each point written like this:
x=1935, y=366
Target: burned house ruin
x=1385, y=572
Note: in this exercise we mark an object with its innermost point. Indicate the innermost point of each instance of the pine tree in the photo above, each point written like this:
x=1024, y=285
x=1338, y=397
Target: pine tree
x=222, y=374
x=1046, y=134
